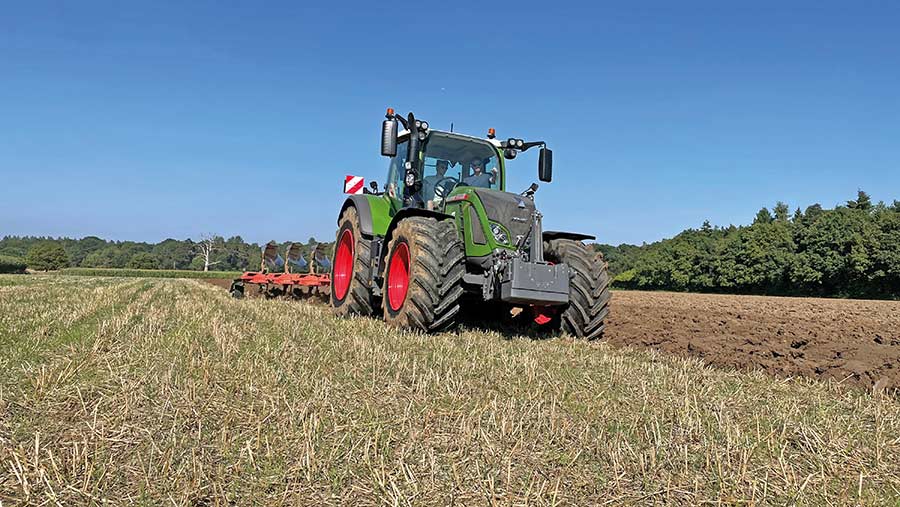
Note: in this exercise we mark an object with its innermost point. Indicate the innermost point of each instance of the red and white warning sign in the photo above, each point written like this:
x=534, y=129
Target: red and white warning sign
x=353, y=184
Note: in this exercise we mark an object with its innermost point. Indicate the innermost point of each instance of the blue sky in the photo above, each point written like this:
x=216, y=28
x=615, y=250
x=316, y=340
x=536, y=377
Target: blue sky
x=143, y=122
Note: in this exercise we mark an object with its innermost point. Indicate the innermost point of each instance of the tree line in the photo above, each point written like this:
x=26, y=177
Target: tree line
x=852, y=250
x=211, y=252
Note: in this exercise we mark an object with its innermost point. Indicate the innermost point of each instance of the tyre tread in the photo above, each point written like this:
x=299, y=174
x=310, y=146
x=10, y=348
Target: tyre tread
x=437, y=267
x=589, y=296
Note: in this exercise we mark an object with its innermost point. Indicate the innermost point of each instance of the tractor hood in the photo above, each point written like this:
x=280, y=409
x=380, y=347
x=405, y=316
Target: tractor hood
x=512, y=211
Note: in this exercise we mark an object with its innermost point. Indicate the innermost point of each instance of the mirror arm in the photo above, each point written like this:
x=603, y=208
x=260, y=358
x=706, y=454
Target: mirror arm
x=402, y=121
x=532, y=144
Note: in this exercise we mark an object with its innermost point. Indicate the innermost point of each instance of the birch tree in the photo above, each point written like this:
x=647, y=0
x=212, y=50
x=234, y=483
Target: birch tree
x=208, y=245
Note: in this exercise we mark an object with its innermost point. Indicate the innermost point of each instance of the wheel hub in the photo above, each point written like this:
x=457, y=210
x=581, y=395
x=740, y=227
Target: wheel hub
x=343, y=265
x=398, y=277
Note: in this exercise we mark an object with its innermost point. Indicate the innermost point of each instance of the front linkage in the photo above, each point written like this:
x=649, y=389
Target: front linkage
x=522, y=276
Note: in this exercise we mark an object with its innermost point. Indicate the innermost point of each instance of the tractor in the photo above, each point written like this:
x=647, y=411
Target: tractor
x=443, y=239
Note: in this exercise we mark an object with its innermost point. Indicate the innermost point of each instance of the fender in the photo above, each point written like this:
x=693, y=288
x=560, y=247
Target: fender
x=549, y=235
x=406, y=213
x=363, y=209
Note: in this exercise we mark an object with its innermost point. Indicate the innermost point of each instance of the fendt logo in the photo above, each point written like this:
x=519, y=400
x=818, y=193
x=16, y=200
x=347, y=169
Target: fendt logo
x=353, y=184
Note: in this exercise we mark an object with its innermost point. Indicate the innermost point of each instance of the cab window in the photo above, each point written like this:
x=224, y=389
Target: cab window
x=459, y=161
x=396, y=172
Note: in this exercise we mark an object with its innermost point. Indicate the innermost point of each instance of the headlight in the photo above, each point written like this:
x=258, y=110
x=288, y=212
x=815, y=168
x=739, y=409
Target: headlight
x=424, y=125
x=499, y=234
x=520, y=143
x=410, y=179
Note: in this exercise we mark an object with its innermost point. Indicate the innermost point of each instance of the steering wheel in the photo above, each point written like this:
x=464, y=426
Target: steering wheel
x=440, y=188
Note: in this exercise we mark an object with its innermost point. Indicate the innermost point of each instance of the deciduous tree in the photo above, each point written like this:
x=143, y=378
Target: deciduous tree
x=47, y=256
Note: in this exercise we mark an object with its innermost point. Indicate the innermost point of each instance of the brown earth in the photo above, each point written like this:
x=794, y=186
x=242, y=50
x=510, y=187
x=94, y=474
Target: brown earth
x=855, y=341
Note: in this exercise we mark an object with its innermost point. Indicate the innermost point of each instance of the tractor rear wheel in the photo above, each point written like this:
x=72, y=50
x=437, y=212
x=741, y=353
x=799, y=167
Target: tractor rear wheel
x=589, y=295
x=423, y=277
x=351, y=289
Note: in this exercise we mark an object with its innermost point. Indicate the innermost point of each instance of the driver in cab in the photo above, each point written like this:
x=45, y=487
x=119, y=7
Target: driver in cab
x=430, y=182
x=477, y=177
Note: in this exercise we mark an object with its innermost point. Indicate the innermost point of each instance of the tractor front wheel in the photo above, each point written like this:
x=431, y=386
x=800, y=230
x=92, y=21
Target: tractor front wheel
x=585, y=315
x=351, y=291
x=423, y=275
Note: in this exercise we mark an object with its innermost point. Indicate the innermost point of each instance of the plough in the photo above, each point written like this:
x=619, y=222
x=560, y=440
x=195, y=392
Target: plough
x=277, y=276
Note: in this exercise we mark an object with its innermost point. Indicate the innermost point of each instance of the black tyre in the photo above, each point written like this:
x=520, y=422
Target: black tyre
x=423, y=275
x=237, y=290
x=585, y=315
x=351, y=289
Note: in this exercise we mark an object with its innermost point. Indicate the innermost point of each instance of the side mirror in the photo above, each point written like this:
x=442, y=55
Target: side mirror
x=389, y=137
x=545, y=165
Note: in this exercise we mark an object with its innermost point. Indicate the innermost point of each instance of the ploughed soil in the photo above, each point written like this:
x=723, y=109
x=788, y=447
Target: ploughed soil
x=855, y=341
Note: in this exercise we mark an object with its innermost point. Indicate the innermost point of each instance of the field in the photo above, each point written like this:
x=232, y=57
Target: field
x=151, y=273
x=132, y=390
x=856, y=342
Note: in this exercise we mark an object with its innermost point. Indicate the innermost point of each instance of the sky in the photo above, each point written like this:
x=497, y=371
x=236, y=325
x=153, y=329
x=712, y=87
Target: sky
x=149, y=120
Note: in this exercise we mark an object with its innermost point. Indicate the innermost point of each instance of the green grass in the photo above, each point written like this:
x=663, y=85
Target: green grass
x=170, y=392
x=149, y=273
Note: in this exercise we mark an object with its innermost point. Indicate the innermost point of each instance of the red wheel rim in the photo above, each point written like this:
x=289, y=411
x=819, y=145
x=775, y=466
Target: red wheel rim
x=343, y=265
x=398, y=276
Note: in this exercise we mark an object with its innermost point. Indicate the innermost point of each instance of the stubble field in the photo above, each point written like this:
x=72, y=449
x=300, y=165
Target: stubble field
x=168, y=391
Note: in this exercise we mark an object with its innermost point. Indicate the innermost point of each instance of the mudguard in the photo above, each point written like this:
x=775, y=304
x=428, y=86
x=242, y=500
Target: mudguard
x=363, y=209
x=406, y=213
x=549, y=235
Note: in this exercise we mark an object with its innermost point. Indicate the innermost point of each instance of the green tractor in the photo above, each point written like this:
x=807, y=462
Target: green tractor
x=444, y=238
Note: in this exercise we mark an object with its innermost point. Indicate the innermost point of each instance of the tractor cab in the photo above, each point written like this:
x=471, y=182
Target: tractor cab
x=446, y=161
x=427, y=165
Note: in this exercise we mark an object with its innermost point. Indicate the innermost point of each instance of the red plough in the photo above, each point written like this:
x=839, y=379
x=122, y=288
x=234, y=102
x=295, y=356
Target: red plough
x=270, y=282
